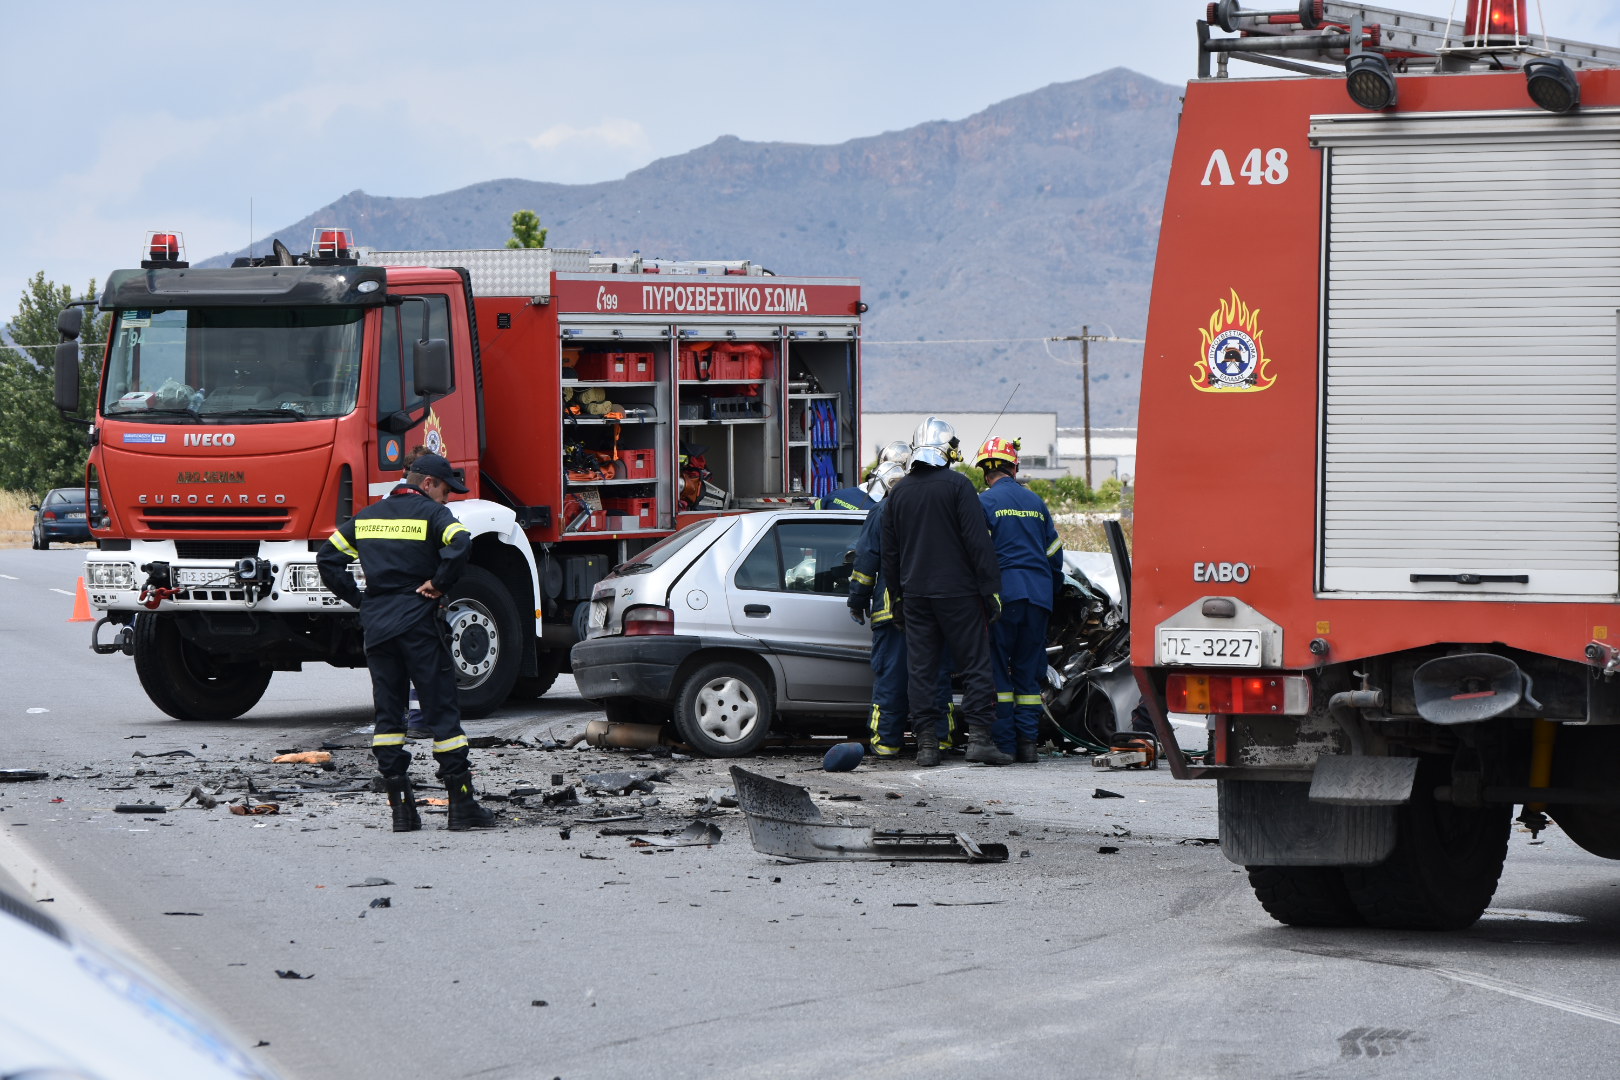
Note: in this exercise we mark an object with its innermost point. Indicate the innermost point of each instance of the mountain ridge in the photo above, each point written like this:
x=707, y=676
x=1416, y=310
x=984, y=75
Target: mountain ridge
x=1027, y=219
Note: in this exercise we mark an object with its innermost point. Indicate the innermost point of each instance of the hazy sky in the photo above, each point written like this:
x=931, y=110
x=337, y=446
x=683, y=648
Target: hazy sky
x=125, y=117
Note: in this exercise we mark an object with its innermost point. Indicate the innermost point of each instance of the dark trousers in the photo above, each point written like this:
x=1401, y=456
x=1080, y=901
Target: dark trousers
x=1020, y=666
x=419, y=656
x=951, y=625
x=891, y=698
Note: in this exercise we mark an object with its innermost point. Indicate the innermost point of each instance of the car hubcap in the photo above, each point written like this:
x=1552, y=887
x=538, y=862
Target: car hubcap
x=726, y=709
x=475, y=643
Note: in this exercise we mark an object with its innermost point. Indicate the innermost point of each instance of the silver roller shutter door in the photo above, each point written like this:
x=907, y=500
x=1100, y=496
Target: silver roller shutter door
x=1472, y=283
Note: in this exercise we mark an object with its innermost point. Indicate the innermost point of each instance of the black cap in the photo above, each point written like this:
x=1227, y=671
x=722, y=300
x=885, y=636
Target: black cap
x=435, y=466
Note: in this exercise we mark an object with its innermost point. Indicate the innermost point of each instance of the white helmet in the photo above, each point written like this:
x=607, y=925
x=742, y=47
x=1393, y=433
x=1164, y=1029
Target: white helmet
x=896, y=451
x=934, y=443
x=883, y=479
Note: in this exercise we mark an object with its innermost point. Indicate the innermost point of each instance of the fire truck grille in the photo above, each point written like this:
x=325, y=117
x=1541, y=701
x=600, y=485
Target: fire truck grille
x=237, y=519
x=217, y=549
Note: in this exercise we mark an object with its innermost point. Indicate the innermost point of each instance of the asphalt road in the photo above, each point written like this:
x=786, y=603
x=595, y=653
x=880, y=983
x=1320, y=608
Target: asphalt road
x=1152, y=960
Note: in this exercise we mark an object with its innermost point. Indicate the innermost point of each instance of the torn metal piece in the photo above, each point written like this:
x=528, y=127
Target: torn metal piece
x=623, y=783
x=19, y=775
x=605, y=820
x=697, y=834
x=783, y=821
x=166, y=753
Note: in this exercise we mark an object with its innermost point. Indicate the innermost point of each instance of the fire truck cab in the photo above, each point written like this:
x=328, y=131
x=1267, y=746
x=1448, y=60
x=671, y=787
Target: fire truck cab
x=1379, y=478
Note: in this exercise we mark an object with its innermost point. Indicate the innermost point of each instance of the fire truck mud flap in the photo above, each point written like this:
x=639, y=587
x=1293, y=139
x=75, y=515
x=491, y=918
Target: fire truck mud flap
x=1270, y=823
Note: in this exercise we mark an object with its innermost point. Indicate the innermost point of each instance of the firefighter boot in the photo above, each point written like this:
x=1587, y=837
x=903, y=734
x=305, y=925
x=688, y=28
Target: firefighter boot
x=928, y=748
x=1027, y=754
x=982, y=748
x=465, y=813
x=402, y=800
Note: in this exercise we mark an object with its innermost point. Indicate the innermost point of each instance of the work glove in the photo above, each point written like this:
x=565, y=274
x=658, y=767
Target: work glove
x=897, y=618
x=992, y=607
x=858, y=615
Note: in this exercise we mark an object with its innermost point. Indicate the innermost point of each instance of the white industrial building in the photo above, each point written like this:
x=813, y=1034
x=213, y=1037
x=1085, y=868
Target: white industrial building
x=1049, y=451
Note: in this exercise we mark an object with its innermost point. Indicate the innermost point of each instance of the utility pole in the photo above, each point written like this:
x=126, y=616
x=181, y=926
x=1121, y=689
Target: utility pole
x=1085, y=338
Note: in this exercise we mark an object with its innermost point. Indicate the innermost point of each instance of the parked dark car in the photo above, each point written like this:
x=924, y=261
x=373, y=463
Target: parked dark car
x=61, y=518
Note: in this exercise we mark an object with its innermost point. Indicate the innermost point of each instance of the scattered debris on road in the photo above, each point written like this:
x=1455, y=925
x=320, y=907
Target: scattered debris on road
x=290, y=974
x=165, y=753
x=308, y=757
x=697, y=834
x=370, y=883
x=139, y=808
x=783, y=821
x=19, y=775
x=1104, y=793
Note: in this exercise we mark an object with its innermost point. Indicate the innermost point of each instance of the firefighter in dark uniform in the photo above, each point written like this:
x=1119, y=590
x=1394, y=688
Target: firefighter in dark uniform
x=412, y=549
x=1031, y=559
x=944, y=586
x=868, y=595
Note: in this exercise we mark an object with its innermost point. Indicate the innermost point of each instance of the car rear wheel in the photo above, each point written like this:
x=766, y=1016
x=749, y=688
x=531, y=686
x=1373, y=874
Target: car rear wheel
x=188, y=683
x=40, y=543
x=724, y=710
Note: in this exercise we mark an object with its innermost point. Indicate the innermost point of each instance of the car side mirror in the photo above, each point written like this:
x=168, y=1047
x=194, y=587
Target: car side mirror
x=431, y=360
x=33, y=506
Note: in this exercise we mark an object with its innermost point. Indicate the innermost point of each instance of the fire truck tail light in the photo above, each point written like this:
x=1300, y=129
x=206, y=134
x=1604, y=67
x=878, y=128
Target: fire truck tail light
x=1247, y=694
x=646, y=620
x=330, y=242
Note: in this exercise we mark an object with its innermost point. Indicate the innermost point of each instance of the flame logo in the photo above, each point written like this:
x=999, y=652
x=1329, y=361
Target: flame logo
x=433, y=432
x=1234, y=358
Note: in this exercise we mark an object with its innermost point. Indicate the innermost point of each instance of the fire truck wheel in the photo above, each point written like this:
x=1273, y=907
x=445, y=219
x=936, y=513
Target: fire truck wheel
x=483, y=641
x=1304, y=895
x=186, y=682
x=1443, y=871
x=723, y=710
x=530, y=687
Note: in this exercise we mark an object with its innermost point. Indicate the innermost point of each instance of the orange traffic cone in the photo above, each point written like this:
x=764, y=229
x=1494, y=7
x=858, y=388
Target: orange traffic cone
x=81, y=606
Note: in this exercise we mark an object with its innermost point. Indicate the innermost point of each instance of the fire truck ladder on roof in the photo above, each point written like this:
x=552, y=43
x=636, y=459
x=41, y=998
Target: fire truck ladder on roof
x=1314, y=38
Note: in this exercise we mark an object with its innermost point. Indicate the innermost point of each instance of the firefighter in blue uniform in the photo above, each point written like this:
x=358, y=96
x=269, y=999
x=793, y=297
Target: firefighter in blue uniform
x=1031, y=559
x=413, y=549
x=849, y=498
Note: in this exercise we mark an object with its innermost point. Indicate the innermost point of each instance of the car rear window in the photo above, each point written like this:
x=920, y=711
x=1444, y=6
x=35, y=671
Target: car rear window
x=58, y=496
x=659, y=553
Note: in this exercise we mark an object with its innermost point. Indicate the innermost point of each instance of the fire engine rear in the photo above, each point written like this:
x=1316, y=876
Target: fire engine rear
x=1379, y=479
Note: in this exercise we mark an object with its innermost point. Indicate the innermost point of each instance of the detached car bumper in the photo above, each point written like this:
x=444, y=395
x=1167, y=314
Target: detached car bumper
x=630, y=667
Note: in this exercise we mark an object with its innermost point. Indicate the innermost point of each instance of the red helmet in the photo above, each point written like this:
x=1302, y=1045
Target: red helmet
x=997, y=449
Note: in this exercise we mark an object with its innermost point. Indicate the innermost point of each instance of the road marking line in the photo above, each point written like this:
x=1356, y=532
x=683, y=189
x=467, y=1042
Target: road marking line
x=1474, y=978
x=8, y=577
x=64, y=592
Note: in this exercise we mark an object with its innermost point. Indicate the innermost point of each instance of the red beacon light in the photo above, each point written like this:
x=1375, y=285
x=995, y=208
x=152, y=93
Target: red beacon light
x=1495, y=22
x=164, y=249
x=331, y=242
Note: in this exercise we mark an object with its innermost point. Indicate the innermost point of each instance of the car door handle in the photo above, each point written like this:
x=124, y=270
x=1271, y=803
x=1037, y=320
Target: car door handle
x=756, y=611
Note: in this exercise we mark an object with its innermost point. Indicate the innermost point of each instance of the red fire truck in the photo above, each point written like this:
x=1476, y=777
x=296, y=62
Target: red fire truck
x=1377, y=519
x=592, y=404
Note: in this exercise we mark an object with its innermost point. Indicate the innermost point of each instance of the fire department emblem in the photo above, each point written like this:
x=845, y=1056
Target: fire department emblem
x=433, y=435
x=1234, y=358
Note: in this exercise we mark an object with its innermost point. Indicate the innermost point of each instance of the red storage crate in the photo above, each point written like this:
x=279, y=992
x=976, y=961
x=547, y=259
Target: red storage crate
x=639, y=464
x=644, y=511
x=638, y=367
x=602, y=367
x=697, y=362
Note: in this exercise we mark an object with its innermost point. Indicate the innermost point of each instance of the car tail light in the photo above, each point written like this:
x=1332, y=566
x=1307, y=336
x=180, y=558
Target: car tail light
x=1246, y=694
x=645, y=620
x=48, y=515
